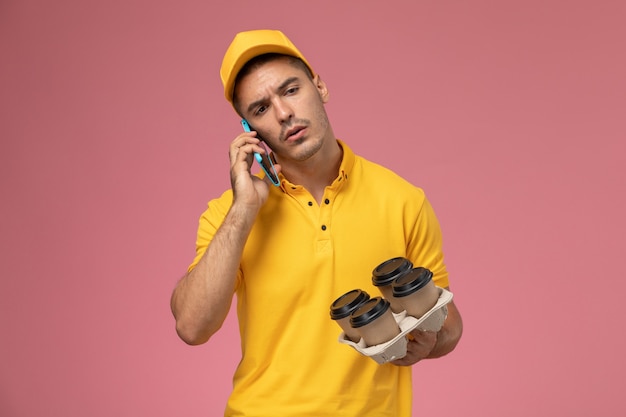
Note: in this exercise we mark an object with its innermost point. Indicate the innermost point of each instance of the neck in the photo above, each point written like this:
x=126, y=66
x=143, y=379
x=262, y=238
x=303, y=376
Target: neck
x=319, y=171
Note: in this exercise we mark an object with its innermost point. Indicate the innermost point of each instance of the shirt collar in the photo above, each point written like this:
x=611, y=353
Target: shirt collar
x=347, y=163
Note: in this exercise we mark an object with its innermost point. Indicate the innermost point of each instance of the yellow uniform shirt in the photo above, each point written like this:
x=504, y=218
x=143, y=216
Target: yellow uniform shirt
x=300, y=256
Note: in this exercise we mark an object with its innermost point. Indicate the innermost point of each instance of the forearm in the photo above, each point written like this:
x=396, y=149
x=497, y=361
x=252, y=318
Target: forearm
x=201, y=300
x=450, y=334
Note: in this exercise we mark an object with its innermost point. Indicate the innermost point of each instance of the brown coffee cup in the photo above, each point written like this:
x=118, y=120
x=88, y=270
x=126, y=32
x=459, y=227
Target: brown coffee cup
x=343, y=307
x=375, y=322
x=416, y=291
x=385, y=274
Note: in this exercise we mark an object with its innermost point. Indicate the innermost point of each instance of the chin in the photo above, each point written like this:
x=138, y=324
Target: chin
x=307, y=149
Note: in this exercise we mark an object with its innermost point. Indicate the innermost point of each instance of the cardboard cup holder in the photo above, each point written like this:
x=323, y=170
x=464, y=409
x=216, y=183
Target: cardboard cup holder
x=396, y=348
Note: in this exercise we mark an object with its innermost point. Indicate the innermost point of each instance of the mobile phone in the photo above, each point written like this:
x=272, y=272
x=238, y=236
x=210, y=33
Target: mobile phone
x=263, y=159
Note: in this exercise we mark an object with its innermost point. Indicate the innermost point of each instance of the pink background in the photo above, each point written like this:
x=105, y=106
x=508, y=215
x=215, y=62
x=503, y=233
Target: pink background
x=114, y=135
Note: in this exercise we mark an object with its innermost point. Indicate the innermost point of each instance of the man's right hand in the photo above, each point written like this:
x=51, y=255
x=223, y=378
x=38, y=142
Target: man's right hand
x=248, y=189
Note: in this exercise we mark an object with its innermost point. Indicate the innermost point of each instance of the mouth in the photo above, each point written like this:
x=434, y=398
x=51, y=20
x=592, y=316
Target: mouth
x=294, y=133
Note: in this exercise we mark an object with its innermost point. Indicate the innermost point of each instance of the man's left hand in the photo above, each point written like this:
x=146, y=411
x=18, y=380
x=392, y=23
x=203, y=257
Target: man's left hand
x=419, y=346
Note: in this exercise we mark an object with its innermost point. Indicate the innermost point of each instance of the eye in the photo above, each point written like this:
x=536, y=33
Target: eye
x=291, y=90
x=260, y=110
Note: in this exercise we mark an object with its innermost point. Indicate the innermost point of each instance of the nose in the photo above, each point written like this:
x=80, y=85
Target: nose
x=284, y=112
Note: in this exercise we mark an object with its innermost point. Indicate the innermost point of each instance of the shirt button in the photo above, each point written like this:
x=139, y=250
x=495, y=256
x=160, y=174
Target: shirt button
x=323, y=227
x=310, y=203
x=327, y=201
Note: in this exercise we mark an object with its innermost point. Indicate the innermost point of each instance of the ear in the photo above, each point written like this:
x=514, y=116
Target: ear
x=321, y=88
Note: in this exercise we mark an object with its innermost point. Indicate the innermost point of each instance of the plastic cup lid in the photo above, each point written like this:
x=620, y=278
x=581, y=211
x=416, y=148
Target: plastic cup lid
x=413, y=281
x=388, y=271
x=369, y=311
x=343, y=306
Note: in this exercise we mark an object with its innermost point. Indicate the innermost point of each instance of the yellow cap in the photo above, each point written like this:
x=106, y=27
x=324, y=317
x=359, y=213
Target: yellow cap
x=248, y=45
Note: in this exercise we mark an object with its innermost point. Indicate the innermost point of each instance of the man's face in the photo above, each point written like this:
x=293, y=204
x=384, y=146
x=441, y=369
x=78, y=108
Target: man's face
x=286, y=108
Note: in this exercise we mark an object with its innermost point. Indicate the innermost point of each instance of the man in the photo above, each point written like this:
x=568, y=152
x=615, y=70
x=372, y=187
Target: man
x=289, y=251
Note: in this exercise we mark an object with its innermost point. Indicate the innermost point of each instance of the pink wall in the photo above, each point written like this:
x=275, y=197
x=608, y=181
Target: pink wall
x=114, y=135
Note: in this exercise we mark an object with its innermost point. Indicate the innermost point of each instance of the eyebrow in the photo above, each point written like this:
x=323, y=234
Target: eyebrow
x=281, y=87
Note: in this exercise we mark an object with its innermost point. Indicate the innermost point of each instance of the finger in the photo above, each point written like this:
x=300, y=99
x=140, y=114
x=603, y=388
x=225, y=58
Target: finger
x=244, y=145
x=240, y=152
x=419, y=348
x=423, y=335
x=410, y=358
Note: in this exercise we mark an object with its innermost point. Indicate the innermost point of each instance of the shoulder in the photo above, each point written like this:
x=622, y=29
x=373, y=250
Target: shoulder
x=218, y=207
x=372, y=175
